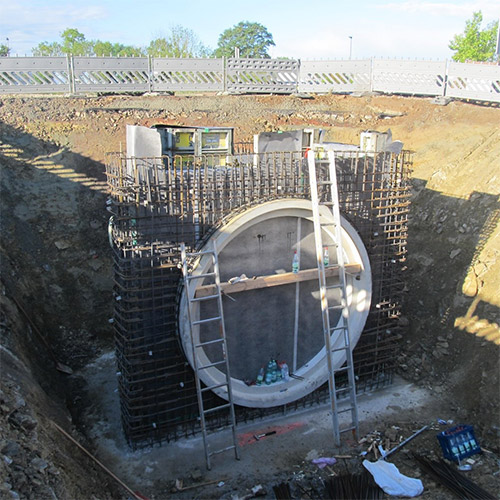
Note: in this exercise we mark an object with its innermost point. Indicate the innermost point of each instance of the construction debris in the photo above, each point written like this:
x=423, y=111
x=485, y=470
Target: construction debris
x=383, y=444
x=265, y=434
x=452, y=479
x=282, y=491
x=179, y=485
x=322, y=462
x=388, y=477
x=258, y=491
x=352, y=487
x=407, y=440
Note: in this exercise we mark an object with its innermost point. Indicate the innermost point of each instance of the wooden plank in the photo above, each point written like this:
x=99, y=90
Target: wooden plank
x=274, y=280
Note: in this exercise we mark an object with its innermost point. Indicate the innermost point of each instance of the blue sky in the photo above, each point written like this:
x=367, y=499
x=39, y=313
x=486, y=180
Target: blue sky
x=306, y=29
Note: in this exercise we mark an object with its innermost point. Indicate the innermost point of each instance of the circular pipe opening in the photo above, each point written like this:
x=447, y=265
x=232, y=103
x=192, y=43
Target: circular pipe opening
x=282, y=322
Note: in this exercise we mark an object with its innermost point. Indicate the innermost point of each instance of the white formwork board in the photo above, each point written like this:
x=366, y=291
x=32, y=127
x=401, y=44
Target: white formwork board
x=479, y=81
x=111, y=74
x=335, y=76
x=34, y=75
x=409, y=77
x=171, y=74
x=262, y=75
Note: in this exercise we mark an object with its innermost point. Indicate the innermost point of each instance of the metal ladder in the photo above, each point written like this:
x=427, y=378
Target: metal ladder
x=342, y=329
x=190, y=283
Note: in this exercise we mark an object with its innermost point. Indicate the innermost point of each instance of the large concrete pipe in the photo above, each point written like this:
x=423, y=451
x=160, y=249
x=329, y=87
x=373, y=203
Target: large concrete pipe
x=283, y=322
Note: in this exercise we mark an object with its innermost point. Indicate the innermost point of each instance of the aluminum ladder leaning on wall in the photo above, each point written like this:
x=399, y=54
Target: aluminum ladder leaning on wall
x=341, y=330
x=190, y=283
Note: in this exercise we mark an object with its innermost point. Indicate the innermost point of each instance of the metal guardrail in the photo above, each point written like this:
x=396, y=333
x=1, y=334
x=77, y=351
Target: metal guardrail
x=76, y=75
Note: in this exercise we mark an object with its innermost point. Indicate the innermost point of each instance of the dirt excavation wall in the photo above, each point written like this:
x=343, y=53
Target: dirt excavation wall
x=56, y=262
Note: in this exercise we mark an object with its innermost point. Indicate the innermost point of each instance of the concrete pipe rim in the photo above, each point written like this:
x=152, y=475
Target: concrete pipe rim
x=315, y=372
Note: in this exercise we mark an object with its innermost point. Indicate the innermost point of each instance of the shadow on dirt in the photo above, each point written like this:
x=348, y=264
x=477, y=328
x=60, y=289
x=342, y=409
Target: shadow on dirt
x=55, y=256
x=454, y=327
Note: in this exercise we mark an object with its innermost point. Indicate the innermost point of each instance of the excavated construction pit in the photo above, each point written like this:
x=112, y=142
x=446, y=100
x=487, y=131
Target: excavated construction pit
x=53, y=188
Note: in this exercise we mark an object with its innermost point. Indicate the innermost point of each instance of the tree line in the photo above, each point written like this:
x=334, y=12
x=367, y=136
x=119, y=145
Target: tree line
x=251, y=39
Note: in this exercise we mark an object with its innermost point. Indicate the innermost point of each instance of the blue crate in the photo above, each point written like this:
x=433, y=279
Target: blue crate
x=458, y=442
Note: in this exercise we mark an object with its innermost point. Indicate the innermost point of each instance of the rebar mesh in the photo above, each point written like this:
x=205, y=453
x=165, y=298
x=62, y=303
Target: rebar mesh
x=157, y=203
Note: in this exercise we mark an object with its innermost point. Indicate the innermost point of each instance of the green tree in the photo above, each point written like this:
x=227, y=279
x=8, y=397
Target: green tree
x=181, y=42
x=101, y=49
x=158, y=47
x=74, y=42
x=4, y=50
x=47, y=49
x=252, y=39
x=475, y=44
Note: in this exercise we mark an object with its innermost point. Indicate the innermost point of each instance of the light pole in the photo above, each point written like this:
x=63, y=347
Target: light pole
x=350, y=47
x=497, y=49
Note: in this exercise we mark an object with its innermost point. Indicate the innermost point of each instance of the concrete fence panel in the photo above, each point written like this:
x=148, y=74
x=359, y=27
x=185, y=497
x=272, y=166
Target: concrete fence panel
x=111, y=74
x=262, y=75
x=188, y=75
x=335, y=76
x=409, y=77
x=22, y=75
x=34, y=75
x=474, y=81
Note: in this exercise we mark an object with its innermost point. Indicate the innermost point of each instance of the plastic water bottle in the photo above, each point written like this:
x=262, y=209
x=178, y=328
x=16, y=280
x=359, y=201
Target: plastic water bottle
x=326, y=256
x=466, y=443
x=278, y=371
x=269, y=373
x=274, y=371
x=472, y=441
x=460, y=442
x=285, y=374
x=260, y=376
x=295, y=263
x=454, y=448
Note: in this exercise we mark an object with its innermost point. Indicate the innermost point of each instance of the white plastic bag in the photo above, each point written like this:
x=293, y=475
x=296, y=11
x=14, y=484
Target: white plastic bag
x=388, y=477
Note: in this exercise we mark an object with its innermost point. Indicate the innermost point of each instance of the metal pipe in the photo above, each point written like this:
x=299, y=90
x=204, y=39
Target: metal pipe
x=101, y=465
x=407, y=440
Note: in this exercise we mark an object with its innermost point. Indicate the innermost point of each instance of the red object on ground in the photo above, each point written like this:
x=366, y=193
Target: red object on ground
x=249, y=437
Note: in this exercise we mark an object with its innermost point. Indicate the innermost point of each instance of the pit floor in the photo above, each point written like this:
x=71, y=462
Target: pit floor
x=300, y=437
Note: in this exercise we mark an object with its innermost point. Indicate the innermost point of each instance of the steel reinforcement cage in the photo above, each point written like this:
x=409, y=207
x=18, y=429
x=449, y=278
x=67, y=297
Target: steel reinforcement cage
x=157, y=203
